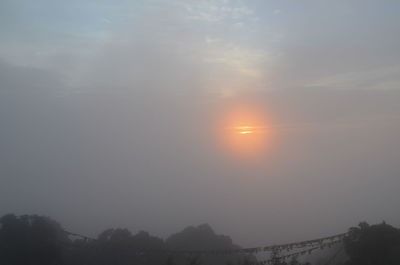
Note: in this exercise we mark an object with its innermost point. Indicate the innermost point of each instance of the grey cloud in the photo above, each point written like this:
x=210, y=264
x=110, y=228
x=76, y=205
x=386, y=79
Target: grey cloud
x=125, y=135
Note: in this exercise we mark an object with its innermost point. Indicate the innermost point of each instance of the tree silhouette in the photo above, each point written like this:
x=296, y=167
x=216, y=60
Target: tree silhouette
x=31, y=239
x=38, y=240
x=373, y=245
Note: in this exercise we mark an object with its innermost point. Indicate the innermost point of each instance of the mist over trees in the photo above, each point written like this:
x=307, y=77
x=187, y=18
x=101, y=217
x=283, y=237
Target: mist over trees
x=373, y=244
x=39, y=240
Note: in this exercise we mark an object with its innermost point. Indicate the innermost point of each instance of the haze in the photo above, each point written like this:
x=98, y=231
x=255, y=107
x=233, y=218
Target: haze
x=111, y=115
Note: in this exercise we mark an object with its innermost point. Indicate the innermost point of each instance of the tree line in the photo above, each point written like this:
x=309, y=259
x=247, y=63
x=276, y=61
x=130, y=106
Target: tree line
x=39, y=240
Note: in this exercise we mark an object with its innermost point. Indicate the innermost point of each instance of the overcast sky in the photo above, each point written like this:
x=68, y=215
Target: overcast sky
x=110, y=114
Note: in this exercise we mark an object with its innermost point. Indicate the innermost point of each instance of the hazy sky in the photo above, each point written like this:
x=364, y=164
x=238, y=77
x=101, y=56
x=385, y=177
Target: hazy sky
x=112, y=114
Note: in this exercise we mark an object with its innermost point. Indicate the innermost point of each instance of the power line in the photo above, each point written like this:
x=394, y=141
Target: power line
x=277, y=259
x=79, y=235
x=282, y=247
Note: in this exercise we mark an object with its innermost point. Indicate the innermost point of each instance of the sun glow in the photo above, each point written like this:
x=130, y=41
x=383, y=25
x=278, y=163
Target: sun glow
x=245, y=131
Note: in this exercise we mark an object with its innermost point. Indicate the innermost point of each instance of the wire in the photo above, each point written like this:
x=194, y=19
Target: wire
x=288, y=246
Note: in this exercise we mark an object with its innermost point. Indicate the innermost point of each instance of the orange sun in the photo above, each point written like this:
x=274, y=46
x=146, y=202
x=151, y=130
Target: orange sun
x=245, y=131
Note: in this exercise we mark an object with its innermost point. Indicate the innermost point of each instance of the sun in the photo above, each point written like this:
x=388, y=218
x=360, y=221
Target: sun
x=245, y=130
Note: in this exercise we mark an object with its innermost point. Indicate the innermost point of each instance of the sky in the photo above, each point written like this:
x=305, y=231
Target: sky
x=126, y=114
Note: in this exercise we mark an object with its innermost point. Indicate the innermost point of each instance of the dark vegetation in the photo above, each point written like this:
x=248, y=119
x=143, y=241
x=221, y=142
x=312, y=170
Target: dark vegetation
x=373, y=244
x=38, y=240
